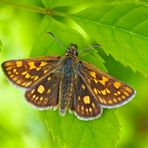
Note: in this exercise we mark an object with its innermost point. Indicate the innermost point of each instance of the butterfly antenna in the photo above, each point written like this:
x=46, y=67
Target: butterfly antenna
x=57, y=40
x=89, y=48
x=93, y=46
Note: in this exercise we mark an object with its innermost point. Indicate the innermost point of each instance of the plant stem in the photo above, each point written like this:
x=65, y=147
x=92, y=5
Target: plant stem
x=28, y=7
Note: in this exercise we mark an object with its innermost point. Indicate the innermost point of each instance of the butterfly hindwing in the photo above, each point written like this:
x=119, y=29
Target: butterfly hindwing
x=109, y=91
x=45, y=94
x=84, y=104
x=26, y=72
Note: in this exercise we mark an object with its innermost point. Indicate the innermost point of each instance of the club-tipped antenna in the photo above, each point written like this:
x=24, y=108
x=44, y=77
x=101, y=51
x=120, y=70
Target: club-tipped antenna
x=57, y=40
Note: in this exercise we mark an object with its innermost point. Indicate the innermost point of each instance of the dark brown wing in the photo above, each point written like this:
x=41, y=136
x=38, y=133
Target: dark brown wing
x=108, y=91
x=26, y=72
x=84, y=105
x=45, y=94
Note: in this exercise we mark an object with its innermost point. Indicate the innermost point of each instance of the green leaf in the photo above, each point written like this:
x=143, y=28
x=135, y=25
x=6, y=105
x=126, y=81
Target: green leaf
x=46, y=45
x=78, y=3
x=0, y=45
x=68, y=131
x=121, y=29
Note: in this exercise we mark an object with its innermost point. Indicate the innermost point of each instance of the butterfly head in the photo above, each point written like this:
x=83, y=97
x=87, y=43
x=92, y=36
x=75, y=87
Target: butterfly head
x=72, y=50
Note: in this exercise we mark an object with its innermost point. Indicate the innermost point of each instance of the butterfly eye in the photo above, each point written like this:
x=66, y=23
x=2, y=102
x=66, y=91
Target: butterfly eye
x=76, y=53
x=68, y=50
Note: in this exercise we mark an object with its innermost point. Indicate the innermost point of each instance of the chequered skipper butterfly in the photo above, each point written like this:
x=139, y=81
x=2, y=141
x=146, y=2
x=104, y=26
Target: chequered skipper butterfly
x=67, y=83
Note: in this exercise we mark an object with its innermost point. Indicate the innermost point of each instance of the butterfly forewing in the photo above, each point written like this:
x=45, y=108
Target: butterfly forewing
x=84, y=104
x=109, y=91
x=26, y=72
x=45, y=94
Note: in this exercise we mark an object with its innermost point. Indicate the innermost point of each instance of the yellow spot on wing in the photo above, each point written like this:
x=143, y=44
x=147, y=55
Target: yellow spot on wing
x=89, y=81
x=96, y=81
x=32, y=91
x=117, y=84
x=41, y=98
x=78, y=107
x=95, y=91
x=99, y=92
x=31, y=64
x=115, y=94
x=107, y=90
x=18, y=63
x=93, y=74
x=14, y=70
x=118, y=92
x=29, y=83
x=110, y=101
x=14, y=79
x=11, y=76
x=9, y=68
x=45, y=101
x=123, y=97
x=82, y=107
x=41, y=89
x=127, y=94
x=45, y=71
x=38, y=68
x=93, y=105
x=79, y=98
x=8, y=63
x=128, y=89
x=27, y=75
x=49, y=78
x=115, y=100
x=119, y=99
x=101, y=100
x=9, y=72
x=35, y=78
x=19, y=81
x=49, y=90
x=90, y=109
x=43, y=63
x=86, y=99
x=36, y=98
x=24, y=83
x=124, y=92
x=23, y=73
x=104, y=80
x=104, y=101
x=103, y=92
x=83, y=86
x=87, y=110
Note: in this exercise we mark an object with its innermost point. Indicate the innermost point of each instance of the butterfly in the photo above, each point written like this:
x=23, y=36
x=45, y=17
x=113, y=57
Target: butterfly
x=67, y=83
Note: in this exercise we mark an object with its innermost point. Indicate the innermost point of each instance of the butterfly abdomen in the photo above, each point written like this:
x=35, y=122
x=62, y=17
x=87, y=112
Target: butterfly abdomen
x=66, y=85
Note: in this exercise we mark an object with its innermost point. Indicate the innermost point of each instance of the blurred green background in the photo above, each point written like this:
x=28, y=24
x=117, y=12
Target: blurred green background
x=20, y=124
